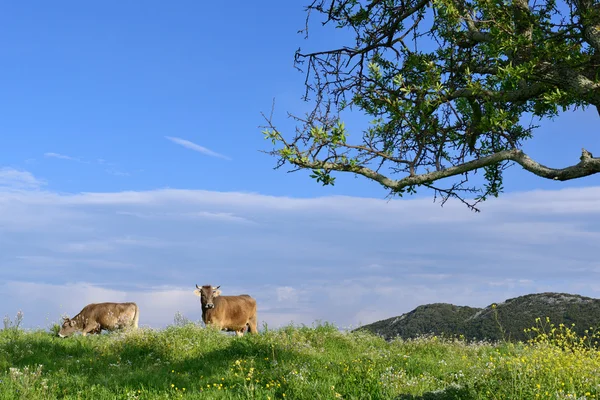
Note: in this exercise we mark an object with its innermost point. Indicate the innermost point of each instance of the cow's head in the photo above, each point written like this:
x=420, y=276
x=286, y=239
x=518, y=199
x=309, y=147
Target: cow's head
x=207, y=293
x=68, y=327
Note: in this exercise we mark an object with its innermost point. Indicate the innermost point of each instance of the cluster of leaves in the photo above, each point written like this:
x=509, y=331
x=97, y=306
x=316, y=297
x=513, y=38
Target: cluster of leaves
x=445, y=84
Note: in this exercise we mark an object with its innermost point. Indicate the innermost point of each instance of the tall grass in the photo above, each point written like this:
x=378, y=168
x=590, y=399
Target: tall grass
x=294, y=362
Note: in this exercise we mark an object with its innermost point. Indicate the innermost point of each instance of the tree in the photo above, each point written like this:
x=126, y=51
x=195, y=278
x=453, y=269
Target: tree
x=447, y=86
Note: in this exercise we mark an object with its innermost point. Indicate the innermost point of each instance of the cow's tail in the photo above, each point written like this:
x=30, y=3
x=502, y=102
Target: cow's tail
x=136, y=317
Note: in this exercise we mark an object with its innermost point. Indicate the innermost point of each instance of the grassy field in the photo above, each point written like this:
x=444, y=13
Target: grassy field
x=317, y=362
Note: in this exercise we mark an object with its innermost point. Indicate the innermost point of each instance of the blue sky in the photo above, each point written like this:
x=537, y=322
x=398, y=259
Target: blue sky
x=131, y=171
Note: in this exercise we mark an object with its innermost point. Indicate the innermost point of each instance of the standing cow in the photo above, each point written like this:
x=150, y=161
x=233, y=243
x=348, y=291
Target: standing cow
x=97, y=316
x=228, y=313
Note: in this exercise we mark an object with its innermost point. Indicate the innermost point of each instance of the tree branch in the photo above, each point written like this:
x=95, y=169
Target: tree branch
x=588, y=165
x=449, y=110
x=590, y=15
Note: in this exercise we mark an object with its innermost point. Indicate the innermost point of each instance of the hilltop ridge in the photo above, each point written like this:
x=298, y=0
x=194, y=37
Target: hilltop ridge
x=512, y=315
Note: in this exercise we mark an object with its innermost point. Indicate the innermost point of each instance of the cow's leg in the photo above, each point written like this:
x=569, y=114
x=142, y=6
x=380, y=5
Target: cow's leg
x=91, y=328
x=97, y=330
x=252, y=325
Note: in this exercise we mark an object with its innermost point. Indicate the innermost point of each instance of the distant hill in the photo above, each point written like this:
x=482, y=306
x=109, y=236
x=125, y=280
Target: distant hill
x=480, y=323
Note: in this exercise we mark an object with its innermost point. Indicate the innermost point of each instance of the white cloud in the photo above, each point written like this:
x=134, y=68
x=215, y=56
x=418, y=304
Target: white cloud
x=196, y=147
x=287, y=294
x=17, y=179
x=116, y=172
x=112, y=170
x=61, y=156
x=109, y=245
x=346, y=260
x=223, y=216
x=219, y=216
x=48, y=262
x=565, y=201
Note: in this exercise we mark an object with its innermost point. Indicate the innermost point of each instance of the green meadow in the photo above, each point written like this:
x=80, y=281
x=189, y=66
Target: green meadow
x=295, y=362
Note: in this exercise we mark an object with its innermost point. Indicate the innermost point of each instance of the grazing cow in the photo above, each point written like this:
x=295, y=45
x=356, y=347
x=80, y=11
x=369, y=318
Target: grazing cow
x=228, y=313
x=97, y=316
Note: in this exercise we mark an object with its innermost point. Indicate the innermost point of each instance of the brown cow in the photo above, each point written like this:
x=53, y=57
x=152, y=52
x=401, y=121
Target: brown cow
x=97, y=316
x=228, y=313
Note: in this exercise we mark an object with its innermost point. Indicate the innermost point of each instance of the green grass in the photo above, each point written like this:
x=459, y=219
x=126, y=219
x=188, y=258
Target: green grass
x=293, y=363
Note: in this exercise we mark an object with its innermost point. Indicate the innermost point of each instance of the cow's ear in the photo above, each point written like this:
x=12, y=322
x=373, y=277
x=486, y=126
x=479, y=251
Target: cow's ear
x=72, y=323
x=197, y=292
x=216, y=293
